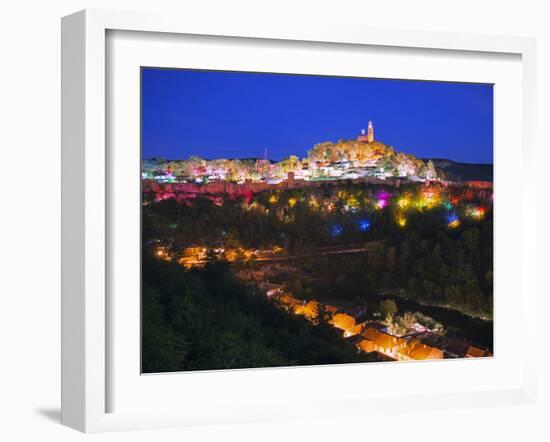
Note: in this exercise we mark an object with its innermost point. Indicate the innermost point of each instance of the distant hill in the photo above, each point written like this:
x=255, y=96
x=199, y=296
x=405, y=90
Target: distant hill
x=455, y=171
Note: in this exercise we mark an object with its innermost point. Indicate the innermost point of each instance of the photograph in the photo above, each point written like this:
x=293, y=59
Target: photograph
x=303, y=220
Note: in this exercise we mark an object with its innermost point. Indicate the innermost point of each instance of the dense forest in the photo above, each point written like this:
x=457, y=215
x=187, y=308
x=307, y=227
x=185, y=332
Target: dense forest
x=442, y=269
x=205, y=319
x=424, y=260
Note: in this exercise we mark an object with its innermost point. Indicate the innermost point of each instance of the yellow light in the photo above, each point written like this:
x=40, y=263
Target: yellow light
x=428, y=199
x=352, y=201
x=402, y=221
x=313, y=203
x=292, y=202
x=403, y=202
x=273, y=199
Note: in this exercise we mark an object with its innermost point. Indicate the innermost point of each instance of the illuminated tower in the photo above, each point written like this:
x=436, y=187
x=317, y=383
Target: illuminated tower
x=367, y=136
x=370, y=133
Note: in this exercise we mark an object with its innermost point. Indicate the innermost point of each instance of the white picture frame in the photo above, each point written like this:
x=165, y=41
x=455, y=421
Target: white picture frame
x=85, y=201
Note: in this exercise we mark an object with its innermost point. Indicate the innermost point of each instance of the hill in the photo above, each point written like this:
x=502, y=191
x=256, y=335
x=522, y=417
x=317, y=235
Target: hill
x=456, y=171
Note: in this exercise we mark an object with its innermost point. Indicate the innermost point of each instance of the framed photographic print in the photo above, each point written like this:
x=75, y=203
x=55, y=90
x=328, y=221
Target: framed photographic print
x=363, y=242
x=250, y=212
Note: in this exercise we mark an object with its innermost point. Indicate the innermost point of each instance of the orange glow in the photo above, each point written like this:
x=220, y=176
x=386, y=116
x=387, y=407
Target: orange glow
x=231, y=255
x=310, y=310
x=428, y=199
x=454, y=224
x=366, y=346
x=289, y=300
x=346, y=323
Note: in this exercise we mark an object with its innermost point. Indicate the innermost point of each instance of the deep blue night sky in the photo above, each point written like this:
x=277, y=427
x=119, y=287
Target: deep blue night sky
x=238, y=115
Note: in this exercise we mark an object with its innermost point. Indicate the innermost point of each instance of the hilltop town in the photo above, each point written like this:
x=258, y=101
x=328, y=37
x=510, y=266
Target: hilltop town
x=363, y=157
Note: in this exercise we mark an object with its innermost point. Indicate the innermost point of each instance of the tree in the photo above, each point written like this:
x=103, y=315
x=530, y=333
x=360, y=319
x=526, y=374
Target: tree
x=408, y=320
x=430, y=171
x=403, y=324
x=388, y=308
x=435, y=261
x=390, y=260
x=323, y=315
x=403, y=262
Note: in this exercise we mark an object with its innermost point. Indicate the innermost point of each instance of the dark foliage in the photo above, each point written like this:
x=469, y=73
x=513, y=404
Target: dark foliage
x=205, y=319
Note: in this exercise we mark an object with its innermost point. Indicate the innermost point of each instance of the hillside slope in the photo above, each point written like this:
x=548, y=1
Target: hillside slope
x=455, y=171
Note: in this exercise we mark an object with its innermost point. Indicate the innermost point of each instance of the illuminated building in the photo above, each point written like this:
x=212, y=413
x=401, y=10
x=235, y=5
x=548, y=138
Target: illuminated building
x=368, y=135
x=381, y=342
x=417, y=351
x=346, y=323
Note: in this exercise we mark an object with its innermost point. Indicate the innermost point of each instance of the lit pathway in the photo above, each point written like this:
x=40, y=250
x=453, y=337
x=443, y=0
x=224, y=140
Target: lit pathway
x=327, y=250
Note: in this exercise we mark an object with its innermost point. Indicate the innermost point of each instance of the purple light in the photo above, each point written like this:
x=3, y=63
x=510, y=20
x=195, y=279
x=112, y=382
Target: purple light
x=383, y=198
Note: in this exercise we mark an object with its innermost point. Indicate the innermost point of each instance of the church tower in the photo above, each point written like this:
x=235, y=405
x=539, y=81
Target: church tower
x=370, y=133
x=367, y=136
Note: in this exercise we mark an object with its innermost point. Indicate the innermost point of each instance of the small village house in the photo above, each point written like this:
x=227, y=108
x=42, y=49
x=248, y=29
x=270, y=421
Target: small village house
x=346, y=323
x=418, y=351
x=381, y=342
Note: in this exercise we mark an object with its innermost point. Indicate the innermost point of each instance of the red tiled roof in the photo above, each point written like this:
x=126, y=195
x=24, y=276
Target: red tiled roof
x=475, y=352
x=381, y=339
x=419, y=351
